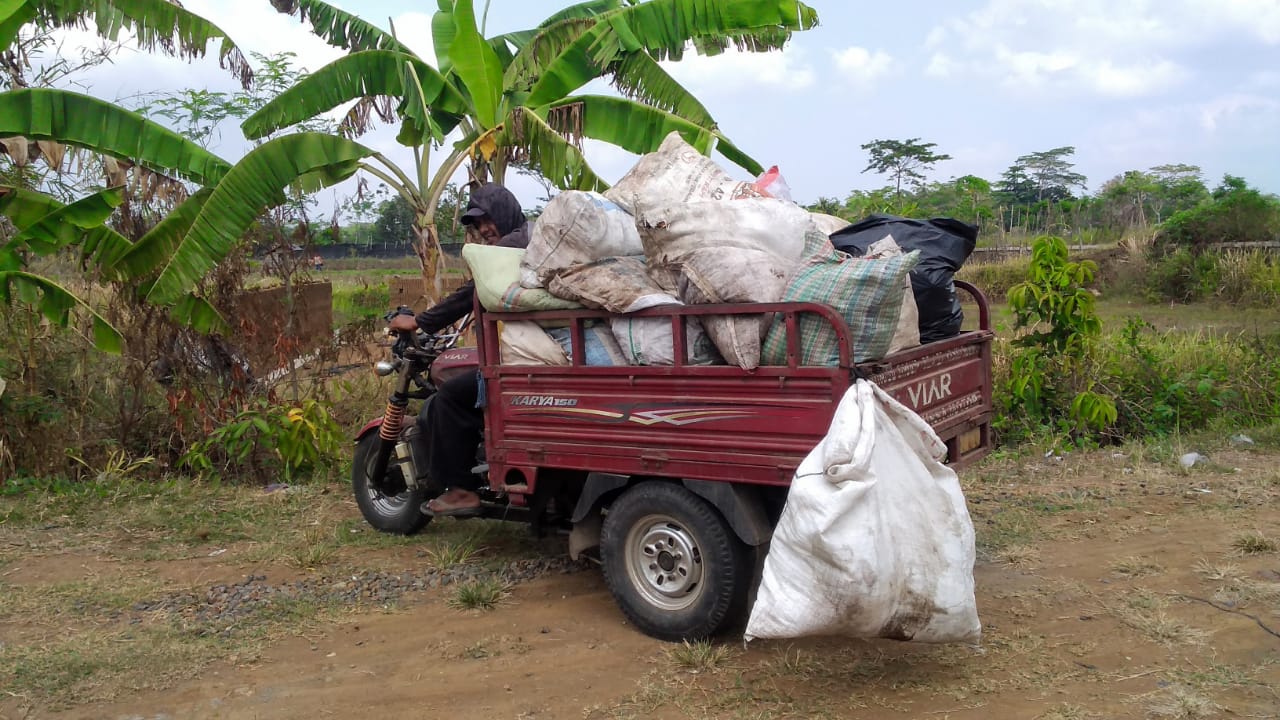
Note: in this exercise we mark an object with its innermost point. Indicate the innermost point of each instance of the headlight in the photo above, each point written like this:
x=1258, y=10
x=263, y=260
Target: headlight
x=384, y=368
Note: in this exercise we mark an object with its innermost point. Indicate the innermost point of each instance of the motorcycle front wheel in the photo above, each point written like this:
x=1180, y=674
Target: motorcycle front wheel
x=390, y=506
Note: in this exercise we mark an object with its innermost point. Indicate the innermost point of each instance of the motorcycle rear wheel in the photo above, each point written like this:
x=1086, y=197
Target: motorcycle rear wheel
x=390, y=506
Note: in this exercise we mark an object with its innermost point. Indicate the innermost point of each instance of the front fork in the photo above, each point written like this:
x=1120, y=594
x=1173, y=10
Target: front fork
x=389, y=431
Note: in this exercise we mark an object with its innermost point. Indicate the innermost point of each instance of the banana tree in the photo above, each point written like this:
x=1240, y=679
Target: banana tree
x=510, y=97
x=43, y=121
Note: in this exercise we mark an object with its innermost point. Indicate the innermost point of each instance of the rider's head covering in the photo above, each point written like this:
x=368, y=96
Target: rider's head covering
x=495, y=202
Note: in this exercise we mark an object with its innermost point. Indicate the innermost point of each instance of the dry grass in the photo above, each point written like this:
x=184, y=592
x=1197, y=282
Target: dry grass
x=1181, y=703
x=700, y=656
x=479, y=594
x=1254, y=543
x=1136, y=567
x=1067, y=711
x=447, y=555
x=1018, y=555
x=1147, y=613
x=1216, y=572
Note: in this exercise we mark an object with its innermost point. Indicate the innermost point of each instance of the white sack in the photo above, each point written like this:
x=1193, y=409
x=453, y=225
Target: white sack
x=712, y=275
x=616, y=284
x=875, y=539
x=676, y=172
x=828, y=224
x=649, y=341
x=576, y=228
x=908, y=333
x=524, y=342
x=671, y=232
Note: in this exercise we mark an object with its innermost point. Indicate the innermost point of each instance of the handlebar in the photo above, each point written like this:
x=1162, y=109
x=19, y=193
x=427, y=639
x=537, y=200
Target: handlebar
x=422, y=342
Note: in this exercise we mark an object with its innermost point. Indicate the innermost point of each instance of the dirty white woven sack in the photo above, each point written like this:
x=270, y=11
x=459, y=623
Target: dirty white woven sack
x=574, y=229
x=875, y=539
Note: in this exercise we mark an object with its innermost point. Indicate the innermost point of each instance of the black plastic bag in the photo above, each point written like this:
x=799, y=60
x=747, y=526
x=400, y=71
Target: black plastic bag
x=944, y=245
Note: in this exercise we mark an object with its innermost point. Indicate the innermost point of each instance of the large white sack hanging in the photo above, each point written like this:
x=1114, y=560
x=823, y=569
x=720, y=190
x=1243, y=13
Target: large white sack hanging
x=875, y=539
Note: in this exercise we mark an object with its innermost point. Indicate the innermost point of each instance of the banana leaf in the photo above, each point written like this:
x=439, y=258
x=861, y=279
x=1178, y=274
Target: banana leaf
x=341, y=29
x=476, y=65
x=542, y=49
x=13, y=15
x=443, y=32
x=78, y=224
x=361, y=74
x=639, y=77
x=153, y=24
x=520, y=39
x=196, y=313
x=546, y=150
x=99, y=126
x=663, y=28
x=56, y=303
x=639, y=128
x=254, y=184
x=152, y=250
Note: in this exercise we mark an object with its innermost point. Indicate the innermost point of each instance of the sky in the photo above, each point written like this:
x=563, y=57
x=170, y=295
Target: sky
x=1131, y=84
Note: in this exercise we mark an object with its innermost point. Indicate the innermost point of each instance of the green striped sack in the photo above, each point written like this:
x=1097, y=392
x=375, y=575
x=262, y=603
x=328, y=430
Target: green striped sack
x=867, y=293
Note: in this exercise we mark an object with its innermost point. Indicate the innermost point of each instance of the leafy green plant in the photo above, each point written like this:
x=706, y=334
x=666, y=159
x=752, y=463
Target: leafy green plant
x=265, y=437
x=1167, y=384
x=1049, y=385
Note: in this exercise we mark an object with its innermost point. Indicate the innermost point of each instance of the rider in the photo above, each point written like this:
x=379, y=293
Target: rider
x=456, y=423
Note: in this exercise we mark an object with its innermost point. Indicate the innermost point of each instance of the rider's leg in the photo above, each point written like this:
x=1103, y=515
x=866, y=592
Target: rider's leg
x=456, y=428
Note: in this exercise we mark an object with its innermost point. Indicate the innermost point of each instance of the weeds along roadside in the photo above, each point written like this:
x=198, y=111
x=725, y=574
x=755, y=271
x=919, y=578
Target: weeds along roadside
x=175, y=403
x=71, y=413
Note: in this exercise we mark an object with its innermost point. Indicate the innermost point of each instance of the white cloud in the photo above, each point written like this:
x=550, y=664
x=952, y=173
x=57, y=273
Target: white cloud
x=861, y=65
x=1033, y=68
x=1226, y=107
x=1133, y=80
x=735, y=70
x=1115, y=48
x=936, y=38
x=941, y=65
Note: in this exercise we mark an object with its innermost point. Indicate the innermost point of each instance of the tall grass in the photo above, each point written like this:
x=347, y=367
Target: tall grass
x=360, y=303
x=1166, y=382
x=995, y=277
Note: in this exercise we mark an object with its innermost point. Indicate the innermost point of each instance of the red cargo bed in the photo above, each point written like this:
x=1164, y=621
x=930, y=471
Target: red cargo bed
x=714, y=422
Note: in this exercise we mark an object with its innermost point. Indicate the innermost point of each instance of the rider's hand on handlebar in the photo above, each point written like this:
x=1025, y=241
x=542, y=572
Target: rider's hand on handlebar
x=403, y=324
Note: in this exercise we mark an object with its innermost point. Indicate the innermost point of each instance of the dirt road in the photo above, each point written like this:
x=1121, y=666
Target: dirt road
x=1111, y=585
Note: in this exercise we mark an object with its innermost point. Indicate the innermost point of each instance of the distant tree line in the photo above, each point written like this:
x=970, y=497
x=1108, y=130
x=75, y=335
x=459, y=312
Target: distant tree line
x=1042, y=193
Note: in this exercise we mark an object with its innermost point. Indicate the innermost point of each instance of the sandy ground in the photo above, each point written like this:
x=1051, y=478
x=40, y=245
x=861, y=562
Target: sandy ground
x=1107, y=588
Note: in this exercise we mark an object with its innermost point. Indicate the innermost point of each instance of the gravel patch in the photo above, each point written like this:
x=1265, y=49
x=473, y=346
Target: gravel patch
x=218, y=609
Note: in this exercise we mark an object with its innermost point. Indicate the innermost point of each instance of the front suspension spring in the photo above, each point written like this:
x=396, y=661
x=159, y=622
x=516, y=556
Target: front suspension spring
x=392, y=421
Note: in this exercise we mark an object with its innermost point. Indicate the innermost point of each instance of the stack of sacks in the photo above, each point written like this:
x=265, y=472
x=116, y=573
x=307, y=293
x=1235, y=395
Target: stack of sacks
x=496, y=271
x=574, y=229
x=726, y=252
x=677, y=229
x=708, y=238
x=621, y=286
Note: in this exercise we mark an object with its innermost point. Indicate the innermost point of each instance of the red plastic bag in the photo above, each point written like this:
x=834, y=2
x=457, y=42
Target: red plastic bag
x=771, y=184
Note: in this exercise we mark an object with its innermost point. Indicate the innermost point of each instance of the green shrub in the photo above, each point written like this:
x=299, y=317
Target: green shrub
x=266, y=439
x=1236, y=213
x=1183, y=276
x=1049, y=385
x=1164, y=383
